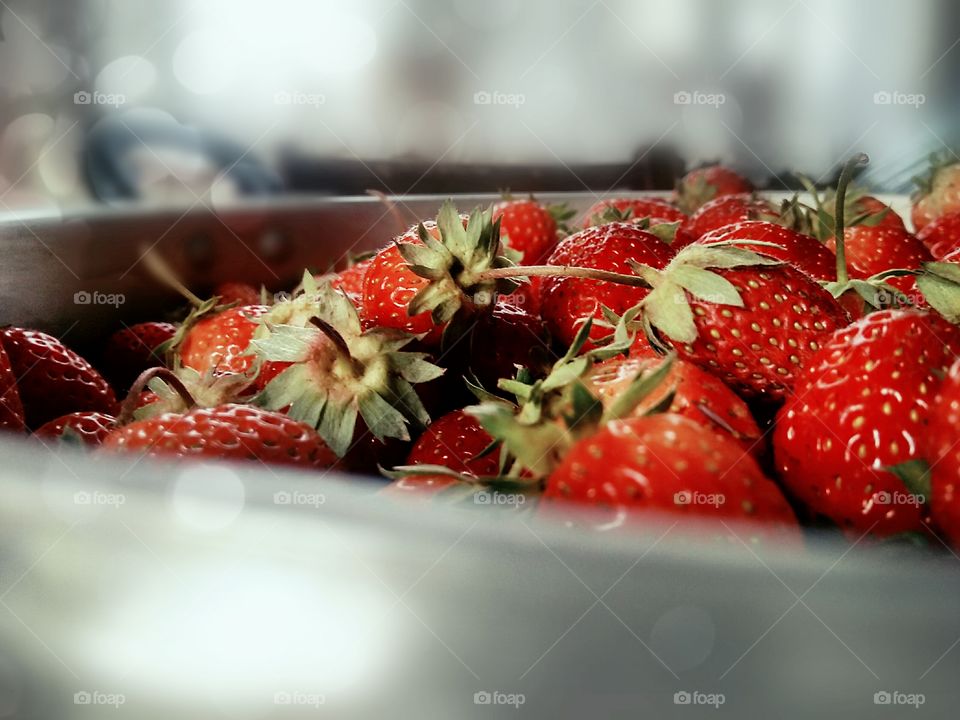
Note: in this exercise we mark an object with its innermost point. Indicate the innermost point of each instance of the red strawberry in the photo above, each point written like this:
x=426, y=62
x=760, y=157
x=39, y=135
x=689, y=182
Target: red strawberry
x=638, y=208
x=228, y=432
x=219, y=342
x=132, y=350
x=953, y=256
x=702, y=185
x=350, y=280
x=566, y=301
x=867, y=204
x=671, y=464
x=526, y=297
x=453, y=441
x=938, y=193
x=91, y=427
x=727, y=210
x=53, y=380
x=699, y=395
x=753, y=325
x=11, y=409
x=527, y=227
x=942, y=452
x=503, y=339
x=240, y=293
x=860, y=405
x=942, y=235
x=804, y=252
x=871, y=250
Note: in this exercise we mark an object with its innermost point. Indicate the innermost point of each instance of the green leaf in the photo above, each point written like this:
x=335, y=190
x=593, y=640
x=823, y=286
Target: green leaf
x=286, y=343
x=947, y=270
x=382, y=419
x=943, y=295
x=708, y=286
x=586, y=408
x=338, y=425
x=667, y=309
x=639, y=389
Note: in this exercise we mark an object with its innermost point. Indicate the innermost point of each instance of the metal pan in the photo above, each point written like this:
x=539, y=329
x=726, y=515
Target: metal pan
x=142, y=589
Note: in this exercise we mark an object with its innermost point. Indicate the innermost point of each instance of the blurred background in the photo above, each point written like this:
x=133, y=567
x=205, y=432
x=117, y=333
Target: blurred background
x=118, y=100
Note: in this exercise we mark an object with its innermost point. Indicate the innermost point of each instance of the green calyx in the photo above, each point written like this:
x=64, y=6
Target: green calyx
x=940, y=284
x=206, y=390
x=924, y=182
x=666, y=307
x=338, y=371
x=693, y=194
x=454, y=265
x=665, y=231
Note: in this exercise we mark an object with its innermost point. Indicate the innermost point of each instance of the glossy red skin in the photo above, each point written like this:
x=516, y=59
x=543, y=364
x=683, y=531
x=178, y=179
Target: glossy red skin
x=130, y=351
x=565, y=301
x=726, y=210
x=943, y=198
x=226, y=432
x=942, y=236
x=639, y=208
x=503, y=339
x=759, y=348
x=880, y=369
x=871, y=250
x=804, y=252
x=952, y=256
x=528, y=227
x=350, y=280
x=11, y=409
x=872, y=205
x=942, y=452
x=53, y=380
x=453, y=441
x=694, y=389
x=637, y=465
x=720, y=181
x=91, y=427
x=217, y=343
x=240, y=293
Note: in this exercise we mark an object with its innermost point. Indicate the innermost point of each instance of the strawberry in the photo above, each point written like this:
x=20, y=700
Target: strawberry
x=727, y=210
x=873, y=249
x=748, y=320
x=91, y=427
x=227, y=432
x=942, y=236
x=350, y=280
x=634, y=209
x=53, y=380
x=502, y=340
x=334, y=372
x=219, y=342
x=942, y=453
x=11, y=409
x=454, y=441
x=239, y=293
x=669, y=463
x=802, y=251
x=526, y=297
x=566, y=301
x=860, y=405
x=938, y=192
x=527, y=227
x=698, y=395
x=861, y=205
x=433, y=274
x=133, y=349
x=702, y=185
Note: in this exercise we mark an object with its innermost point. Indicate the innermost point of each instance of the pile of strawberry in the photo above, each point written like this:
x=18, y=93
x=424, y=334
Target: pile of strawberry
x=707, y=355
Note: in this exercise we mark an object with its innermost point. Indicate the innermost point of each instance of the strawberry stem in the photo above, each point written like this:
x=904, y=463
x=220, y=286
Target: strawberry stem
x=519, y=271
x=337, y=339
x=845, y=177
x=164, y=273
x=132, y=401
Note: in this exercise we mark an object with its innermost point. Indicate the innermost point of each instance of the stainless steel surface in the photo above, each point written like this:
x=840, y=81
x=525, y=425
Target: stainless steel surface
x=203, y=593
